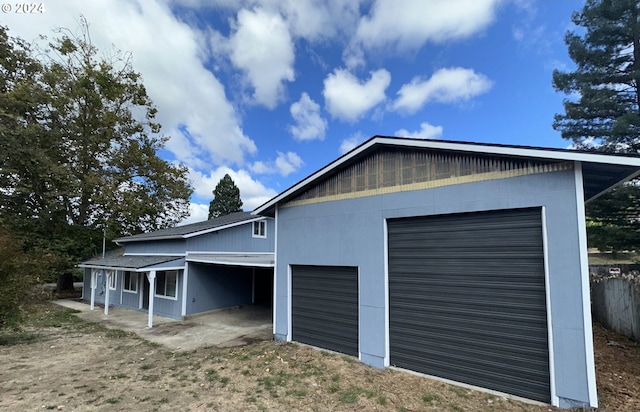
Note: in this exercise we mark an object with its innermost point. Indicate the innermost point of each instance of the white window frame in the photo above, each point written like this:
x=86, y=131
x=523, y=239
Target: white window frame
x=133, y=276
x=157, y=283
x=261, y=226
x=112, y=279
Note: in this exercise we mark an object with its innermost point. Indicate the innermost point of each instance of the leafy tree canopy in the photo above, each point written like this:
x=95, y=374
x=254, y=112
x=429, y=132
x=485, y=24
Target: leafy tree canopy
x=226, y=198
x=78, y=146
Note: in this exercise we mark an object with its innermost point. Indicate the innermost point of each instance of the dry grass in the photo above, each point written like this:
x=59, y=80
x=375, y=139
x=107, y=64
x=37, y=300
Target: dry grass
x=61, y=362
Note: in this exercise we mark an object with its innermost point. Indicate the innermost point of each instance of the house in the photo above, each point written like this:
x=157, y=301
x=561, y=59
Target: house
x=181, y=271
x=462, y=261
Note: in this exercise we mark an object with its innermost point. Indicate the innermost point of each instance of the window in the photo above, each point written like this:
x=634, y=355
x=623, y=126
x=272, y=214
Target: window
x=111, y=277
x=260, y=228
x=167, y=283
x=130, y=282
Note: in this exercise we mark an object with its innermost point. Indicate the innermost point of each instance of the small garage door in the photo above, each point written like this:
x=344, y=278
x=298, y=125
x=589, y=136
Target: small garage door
x=467, y=299
x=324, y=307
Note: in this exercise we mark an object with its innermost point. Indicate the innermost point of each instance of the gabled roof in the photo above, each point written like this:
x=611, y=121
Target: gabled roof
x=194, y=229
x=601, y=171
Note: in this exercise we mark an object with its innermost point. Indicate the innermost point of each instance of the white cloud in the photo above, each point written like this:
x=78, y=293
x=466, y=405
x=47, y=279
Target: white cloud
x=252, y=192
x=348, y=98
x=175, y=78
x=427, y=131
x=287, y=163
x=351, y=142
x=262, y=47
x=284, y=165
x=309, y=123
x=198, y=212
x=449, y=85
x=415, y=22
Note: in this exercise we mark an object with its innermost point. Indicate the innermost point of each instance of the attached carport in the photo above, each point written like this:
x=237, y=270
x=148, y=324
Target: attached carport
x=221, y=280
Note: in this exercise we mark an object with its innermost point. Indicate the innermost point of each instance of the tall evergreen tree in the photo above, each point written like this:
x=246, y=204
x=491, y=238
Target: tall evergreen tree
x=602, y=111
x=226, y=198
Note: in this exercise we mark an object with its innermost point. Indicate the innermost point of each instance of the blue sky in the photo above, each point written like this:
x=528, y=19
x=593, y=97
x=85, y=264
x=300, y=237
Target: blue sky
x=269, y=91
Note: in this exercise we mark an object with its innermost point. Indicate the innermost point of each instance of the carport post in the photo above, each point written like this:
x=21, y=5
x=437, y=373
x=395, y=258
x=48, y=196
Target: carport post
x=106, y=295
x=152, y=290
x=94, y=281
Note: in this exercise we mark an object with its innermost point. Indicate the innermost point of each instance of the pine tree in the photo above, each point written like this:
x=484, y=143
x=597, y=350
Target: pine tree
x=226, y=198
x=602, y=111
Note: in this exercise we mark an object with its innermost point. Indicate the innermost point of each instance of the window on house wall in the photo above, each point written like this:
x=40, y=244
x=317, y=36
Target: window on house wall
x=260, y=228
x=167, y=283
x=111, y=276
x=130, y=282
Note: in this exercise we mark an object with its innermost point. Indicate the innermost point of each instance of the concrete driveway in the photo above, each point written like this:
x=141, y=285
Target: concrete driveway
x=223, y=328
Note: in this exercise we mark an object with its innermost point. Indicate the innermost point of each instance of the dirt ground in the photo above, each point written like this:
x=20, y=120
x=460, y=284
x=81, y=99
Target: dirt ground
x=61, y=362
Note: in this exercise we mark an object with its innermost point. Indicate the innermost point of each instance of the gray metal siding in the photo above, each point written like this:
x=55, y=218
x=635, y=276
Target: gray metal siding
x=215, y=287
x=86, y=284
x=235, y=239
x=325, y=307
x=155, y=247
x=351, y=232
x=467, y=299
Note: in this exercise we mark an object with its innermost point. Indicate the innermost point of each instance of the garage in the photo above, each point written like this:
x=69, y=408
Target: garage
x=324, y=307
x=467, y=299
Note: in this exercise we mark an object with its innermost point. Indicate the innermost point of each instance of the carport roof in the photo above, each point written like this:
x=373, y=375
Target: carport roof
x=600, y=171
x=134, y=262
x=233, y=259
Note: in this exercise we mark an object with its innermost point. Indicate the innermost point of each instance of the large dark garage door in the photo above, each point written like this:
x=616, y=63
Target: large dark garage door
x=324, y=307
x=467, y=299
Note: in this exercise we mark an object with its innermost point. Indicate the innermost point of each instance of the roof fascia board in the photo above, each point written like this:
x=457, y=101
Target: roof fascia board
x=177, y=255
x=197, y=252
x=458, y=147
x=129, y=269
x=227, y=263
x=518, y=152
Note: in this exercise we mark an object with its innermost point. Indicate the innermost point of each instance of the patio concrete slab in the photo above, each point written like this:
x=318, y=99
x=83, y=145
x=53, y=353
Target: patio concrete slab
x=222, y=328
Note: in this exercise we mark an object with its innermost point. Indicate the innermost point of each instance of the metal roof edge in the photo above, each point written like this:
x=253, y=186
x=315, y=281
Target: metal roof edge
x=470, y=147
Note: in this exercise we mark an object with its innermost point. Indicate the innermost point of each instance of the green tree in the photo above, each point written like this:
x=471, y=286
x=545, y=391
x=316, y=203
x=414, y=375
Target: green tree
x=79, y=147
x=19, y=271
x=612, y=223
x=602, y=110
x=226, y=198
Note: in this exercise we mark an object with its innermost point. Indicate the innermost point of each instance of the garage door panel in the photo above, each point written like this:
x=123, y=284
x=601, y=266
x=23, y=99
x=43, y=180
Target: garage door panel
x=467, y=299
x=324, y=307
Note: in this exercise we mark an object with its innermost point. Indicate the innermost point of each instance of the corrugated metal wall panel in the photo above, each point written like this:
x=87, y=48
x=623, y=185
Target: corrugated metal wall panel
x=467, y=299
x=325, y=307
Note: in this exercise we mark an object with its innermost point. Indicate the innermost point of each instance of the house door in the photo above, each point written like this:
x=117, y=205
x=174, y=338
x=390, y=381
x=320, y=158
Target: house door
x=145, y=291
